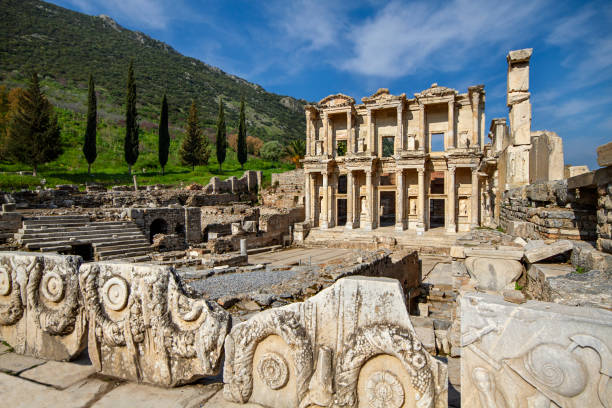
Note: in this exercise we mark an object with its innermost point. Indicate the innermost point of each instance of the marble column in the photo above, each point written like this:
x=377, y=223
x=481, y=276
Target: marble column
x=421, y=203
x=371, y=133
x=308, y=139
x=325, y=203
x=399, y=134
x=422, y=127
x=331, y=206
x=350, y=143
x=451, y=124
x=350, y=200
x=475, y=133
x=400, y=222
x=307, y=198
x=326, y=149
x=367, y=223
x=450, y=202
x=474, y=199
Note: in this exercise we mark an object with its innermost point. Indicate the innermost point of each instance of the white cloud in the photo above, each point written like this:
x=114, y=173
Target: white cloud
x=404, y=36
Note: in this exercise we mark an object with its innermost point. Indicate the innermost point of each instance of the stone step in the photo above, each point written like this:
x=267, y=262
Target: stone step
x=92, y=238
x=38, y=245
x=56, y=248
x=57, y=217
x=55, y=221
x=109, y=243
x=80, y=231
x=110, y=248
x=128, y=254
x=124, y=251
x=91, y=225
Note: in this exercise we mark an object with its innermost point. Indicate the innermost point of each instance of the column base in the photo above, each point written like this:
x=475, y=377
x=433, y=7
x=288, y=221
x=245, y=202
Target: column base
x=451, y=229
x=367, y=225
x=473, y=226
x=400, y=226
x=420, y=229
x=348, y=225
x=323, y=224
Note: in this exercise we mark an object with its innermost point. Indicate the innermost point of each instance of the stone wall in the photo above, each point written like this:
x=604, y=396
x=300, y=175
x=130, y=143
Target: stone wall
x=10, y=222
x=604, y=201
x=182, y=221
x=286, y=190
x=546, y=157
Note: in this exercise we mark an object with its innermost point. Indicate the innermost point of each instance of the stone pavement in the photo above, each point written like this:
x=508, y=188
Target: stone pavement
x=27, y=382
x=295, y=256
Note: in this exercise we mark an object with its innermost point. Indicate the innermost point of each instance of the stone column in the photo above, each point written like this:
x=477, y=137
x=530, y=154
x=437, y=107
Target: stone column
x=371, y=134
x=367, y=223
x=350, y=200
x=331, y=206
x=400, y=223
x=399, y=134
x=421, y=203
x=350, y=143
x=307, y=198
x=475, y=95
x=422, y=127
x=326, y=149
x=451, y=124
x=325, y=203
x=474, y=199
x=450, y=201
x=308, y=138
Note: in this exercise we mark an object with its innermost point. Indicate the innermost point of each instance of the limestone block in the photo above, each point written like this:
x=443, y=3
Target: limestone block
x=533, y=355
x=40, y=312
x=517, y=166
x=518, y=78
x=334, y=349
x=144, y=327
x=571, y=171
x=494, y=273
x=546, y=161
x=520, y=123
x=457, y=252
x=539, y=253
x=522, y=55
x=521, y=229
x=604, y=155
x=497, y=253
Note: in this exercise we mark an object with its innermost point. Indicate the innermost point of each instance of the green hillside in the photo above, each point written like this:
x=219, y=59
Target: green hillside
x=65, y=46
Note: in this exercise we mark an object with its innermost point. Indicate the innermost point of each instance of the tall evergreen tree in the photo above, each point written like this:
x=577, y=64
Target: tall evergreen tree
x=195, y=149
x=33, y=134
x=89, y=145
x=221, y=142
x=242, y=134
x=164, y=135
x=131, y=121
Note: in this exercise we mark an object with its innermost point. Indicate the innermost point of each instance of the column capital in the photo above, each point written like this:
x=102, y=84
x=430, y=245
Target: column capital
x=421, y=171
x=452, y=169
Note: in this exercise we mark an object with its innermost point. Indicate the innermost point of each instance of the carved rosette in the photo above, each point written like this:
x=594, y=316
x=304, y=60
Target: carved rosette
x=384, y=390
x=373, y=340
x=11, y=304
x=240, y=348
x=273, y=370
x=53, y=294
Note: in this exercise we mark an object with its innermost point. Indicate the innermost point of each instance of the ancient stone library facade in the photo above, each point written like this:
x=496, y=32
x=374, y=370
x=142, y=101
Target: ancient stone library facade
x=421, y=162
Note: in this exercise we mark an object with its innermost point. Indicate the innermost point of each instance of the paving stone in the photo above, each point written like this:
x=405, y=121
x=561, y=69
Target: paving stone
x=513, y=254
x=5, y=348
x=539, y=253
x=132, y=395
x=217, y=401
x=20, y=393
x=58, y=374
x=15, y=363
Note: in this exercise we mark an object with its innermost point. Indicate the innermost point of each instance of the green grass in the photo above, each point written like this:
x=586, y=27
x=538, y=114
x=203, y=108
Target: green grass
x=110, y=167
x=517, y=286
x=580, y=269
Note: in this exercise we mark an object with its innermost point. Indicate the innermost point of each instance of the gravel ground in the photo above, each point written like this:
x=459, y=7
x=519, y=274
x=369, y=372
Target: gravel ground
x=236, y=283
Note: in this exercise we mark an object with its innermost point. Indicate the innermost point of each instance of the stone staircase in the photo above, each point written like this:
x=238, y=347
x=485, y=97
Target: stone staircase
x=108, y=239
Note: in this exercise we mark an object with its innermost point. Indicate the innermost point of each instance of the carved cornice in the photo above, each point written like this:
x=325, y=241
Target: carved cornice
x=383, y=96
x=436, y=91
x=336, y=101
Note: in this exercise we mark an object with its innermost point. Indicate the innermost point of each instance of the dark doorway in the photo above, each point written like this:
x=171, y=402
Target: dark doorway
x=85, y=251
x=158, y=226
x=341, y=211
x=436, y=213
x=387, y=208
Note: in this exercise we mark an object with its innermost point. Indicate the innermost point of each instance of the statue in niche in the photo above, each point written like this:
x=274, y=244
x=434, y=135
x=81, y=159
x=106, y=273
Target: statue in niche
x=411, y=142
x=361, y=145
x=463, y=207
x=364, y=206
x=413, y=206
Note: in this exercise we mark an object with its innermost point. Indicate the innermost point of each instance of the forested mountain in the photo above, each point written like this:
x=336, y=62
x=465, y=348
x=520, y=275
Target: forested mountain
x=66, y=46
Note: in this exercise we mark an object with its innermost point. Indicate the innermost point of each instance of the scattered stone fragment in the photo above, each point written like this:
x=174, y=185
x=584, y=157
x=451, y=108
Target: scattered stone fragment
x=537, y=253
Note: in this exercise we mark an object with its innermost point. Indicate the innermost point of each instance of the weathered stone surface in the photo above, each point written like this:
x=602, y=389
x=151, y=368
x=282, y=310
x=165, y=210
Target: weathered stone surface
x=457, y=252
x=604, y=155
x=59, y=374
x=493, y=273
x=520, y=55
x=546, y=157
x=533, y=355
x=332, y=349
x=146, y=396
x=19, y=393
x=40, y=312
x=539, y=253
x=144, y=327
x=13, y=363
x=506, y=253
x=593, y=288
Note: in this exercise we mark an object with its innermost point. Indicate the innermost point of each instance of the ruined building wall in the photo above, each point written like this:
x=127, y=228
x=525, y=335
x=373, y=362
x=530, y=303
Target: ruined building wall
x=286, y=191
x=545, y=157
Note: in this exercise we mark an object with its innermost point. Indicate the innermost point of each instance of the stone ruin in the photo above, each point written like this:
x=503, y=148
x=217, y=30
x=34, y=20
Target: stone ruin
x=345, y=284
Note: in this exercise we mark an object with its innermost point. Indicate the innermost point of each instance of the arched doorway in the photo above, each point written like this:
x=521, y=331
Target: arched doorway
x=158, y=226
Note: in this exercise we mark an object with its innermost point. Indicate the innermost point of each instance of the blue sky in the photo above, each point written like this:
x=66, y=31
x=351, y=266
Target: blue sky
x=310, y=49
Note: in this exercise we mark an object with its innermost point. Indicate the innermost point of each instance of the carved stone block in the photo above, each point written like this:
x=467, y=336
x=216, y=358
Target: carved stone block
x=351, y=345
x=40, y=311
x=534, y=355
x=144, y=326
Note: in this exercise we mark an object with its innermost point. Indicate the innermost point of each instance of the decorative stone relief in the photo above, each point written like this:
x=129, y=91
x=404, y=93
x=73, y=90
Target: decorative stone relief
x=40, y=313
x=365, y=356
x=144, y=326
x=534, y=355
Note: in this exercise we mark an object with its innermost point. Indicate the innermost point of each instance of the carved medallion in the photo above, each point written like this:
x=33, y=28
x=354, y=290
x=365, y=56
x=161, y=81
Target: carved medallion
x=52, y=287
x=384, y=390
x=5, y=281
x=115, y=293
x=272, y=369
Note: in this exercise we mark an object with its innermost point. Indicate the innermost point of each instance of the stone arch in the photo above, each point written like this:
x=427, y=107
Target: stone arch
x=158, y=226
x=241, y=344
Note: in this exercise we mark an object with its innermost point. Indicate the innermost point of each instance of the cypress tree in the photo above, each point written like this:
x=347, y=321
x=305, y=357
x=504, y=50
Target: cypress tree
x=131, y=121
x=242, y=146
x=89, y=145
x=221, y=142
x=34, y=134
x=195, y=149
x=164, y=135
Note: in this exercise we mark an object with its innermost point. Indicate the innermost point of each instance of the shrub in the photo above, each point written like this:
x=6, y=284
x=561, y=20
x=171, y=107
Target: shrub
x=272, y=150
x=254, y=145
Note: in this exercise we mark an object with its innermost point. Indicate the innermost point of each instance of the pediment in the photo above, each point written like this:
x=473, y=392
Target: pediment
x=435, y=90
x=381, y=96
x=336, y=100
